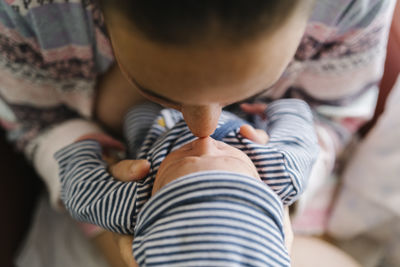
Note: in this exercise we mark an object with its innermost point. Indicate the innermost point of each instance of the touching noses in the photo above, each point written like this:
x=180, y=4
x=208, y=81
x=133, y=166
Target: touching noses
x=204, y=146
x=202, y=120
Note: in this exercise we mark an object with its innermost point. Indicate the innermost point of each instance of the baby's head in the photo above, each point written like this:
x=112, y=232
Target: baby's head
x=198, y=56
x=203, y=154
x=209, y=207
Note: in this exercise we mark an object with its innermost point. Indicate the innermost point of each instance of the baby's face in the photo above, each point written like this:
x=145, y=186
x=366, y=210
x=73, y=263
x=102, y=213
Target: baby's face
x=203, y=154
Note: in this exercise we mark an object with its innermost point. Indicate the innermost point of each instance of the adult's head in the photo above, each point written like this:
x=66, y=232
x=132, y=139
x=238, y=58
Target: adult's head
x=198, y=56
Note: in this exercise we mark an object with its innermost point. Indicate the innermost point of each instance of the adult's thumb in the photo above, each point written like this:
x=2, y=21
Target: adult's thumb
x=130, y=170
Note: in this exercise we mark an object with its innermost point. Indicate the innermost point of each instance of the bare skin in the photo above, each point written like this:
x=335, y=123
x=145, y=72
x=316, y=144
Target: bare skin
x=203, y=154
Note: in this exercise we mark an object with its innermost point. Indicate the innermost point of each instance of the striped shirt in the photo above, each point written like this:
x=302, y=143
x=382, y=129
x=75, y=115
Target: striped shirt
x=92, y=195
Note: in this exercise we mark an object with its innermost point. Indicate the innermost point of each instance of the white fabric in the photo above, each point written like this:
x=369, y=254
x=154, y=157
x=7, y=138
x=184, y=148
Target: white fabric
x=54, y=240
x=48, y=143
x=370, y=196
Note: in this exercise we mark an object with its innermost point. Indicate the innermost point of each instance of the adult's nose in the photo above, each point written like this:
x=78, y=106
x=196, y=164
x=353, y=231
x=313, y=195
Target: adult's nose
x=202, y=120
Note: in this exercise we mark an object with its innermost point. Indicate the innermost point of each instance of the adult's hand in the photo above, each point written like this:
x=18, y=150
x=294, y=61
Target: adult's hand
x=287, y=229
x=124, y=243
x=256, y=135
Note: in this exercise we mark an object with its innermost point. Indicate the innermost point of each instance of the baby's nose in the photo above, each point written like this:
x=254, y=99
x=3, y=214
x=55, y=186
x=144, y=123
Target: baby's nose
x=204, y=145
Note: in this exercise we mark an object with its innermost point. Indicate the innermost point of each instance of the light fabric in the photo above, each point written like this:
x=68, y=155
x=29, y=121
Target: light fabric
x=369, y=203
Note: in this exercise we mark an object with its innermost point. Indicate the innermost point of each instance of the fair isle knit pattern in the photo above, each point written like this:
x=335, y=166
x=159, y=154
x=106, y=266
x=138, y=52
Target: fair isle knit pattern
x=51, y=53
x=92, y=195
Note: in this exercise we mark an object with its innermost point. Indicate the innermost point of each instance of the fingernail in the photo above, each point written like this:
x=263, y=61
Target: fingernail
x=139, y=166
x=145, y=164
x=250, y=128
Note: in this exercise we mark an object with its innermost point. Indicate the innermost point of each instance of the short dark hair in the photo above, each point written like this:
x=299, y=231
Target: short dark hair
x=189, y=21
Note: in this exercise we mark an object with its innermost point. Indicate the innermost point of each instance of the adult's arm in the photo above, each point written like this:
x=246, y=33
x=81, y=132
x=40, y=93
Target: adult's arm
x=58, y=78
x=341, y=57
x=340, y=77
x=337, y=69
x=50, y=57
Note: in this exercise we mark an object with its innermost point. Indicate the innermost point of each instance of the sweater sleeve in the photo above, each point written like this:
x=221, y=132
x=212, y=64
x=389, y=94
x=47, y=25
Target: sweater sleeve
x=286, y=161
x=91, y=194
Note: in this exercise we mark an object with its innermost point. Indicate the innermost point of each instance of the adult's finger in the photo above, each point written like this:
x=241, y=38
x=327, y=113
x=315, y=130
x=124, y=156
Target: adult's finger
x=130, y=170
x=124, y=243
x=287, y=229
x=256, y=135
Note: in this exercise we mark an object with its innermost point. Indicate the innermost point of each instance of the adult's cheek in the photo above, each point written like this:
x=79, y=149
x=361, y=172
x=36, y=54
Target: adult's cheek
x=124, y=243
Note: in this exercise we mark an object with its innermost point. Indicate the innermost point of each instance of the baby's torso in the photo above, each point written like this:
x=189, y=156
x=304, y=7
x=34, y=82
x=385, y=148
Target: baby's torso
x=169, y=132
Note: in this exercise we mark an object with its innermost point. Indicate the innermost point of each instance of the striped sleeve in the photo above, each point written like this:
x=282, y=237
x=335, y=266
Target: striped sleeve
x=292, y=135
x=137, y=123
x=286, y=161
x=90, y=193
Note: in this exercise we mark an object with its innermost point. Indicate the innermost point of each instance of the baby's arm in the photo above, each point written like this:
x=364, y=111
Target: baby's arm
x=90, y=193
x=286, y=161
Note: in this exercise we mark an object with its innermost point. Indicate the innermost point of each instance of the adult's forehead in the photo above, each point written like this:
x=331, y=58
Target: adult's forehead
x=210, y=72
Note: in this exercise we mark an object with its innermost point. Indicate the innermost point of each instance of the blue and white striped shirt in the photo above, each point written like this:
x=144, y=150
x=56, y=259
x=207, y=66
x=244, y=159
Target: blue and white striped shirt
x=222, y=218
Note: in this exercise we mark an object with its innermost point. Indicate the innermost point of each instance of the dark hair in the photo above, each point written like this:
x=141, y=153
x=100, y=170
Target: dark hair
x=189, y=21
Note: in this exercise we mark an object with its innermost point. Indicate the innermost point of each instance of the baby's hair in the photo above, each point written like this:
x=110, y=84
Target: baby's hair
x=183, y=22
